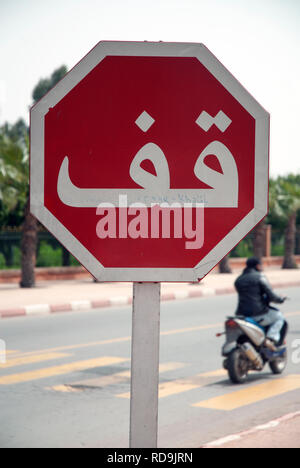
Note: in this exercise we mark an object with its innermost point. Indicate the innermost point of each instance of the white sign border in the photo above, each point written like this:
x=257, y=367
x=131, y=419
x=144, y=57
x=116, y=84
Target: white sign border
x=162, y=49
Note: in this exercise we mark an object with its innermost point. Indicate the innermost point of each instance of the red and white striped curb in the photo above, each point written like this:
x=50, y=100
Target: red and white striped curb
x=181, y=294
x=44, y=309
x=242, y=435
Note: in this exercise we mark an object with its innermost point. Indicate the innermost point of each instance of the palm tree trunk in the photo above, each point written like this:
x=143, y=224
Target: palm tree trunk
x=65, y=257
x=290, y=242
x=259, y=240
x=224, y=266
x=28, y=249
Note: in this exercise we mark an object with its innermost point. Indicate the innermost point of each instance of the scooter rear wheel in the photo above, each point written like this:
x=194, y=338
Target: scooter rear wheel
x=238, y=366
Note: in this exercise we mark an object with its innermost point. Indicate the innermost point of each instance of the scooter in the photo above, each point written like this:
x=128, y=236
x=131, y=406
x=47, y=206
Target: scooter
x=244, y=349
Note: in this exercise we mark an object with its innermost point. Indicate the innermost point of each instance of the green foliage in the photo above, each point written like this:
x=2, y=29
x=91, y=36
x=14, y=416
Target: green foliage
x=14, y=160
x=289, y=193
x=14, y=169
x=2, y=262
x=15, y=260
x=277, y=250
x=73, y=261
x=45, y=84
x=16, y=257
x=48, y=256
x=243, y=249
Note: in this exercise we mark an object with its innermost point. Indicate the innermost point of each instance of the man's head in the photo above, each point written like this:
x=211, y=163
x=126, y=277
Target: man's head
x=255, y=263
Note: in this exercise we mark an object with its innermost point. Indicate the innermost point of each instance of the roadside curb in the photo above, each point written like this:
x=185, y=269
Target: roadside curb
x=114, y=301
x=220, y=443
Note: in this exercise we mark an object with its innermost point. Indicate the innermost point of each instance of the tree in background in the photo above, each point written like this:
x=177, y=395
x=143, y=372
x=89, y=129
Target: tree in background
x=259, y=232
x=276, y=217
x=289, y=197
x=14, y=180
x=14, y=176
x=45, y=84
x=284, y=206
x=284, y=215
x=14, y=169
x=30, y=225
x=224, y=265
x=259, y=239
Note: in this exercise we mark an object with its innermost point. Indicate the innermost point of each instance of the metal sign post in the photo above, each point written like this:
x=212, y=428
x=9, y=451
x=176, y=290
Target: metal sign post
x=145, y=365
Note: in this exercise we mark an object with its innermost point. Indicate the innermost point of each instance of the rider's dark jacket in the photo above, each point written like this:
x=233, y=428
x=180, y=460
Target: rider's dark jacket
x=254, y=293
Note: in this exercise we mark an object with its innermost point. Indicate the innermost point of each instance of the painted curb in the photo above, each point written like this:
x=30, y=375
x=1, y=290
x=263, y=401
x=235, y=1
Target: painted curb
x=242, y=435
x=46, y=309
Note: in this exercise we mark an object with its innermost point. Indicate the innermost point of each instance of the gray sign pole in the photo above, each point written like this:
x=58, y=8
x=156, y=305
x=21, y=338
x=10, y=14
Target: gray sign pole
x=145, y=365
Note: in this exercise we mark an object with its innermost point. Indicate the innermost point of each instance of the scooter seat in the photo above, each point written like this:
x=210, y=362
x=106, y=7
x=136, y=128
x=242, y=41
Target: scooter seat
x=254, y=322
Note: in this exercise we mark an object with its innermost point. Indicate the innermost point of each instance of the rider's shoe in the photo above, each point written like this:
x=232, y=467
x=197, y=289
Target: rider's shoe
x=270, y=345
x=271, y=355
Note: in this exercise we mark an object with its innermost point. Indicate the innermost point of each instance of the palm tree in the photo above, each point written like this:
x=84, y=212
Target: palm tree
x=28, y=248
x=14, y=190
x=289, y=196
x=14, y=179
x=224, y=265
x=30, y=226
x=14, y=171
x=259, y=239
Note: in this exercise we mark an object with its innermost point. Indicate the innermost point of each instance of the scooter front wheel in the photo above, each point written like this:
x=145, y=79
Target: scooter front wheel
x=238, y=366
x=279, y=364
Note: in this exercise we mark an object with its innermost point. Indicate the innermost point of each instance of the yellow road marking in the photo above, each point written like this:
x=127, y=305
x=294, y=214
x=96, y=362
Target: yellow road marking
x=59, y=370
x=20, y=361
x=215, y=373
x=4, y=353
x=168, y=388
x=181, y=385
x=184, y=385
x=169, y=366
x=113, y=379
x=252, y=394
x=78, y=346
x=173, y=388
x=191, y=329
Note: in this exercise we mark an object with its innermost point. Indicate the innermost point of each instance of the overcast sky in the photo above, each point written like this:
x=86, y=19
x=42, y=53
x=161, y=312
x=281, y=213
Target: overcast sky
x=257, y=40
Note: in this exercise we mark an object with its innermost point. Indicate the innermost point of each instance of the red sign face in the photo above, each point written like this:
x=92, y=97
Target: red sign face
x=170, y=148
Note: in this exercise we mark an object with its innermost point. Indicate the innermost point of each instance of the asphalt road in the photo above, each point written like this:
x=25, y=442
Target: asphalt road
x=66, y=380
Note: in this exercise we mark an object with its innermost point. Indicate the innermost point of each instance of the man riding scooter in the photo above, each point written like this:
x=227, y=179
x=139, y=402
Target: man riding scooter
x=255, y=294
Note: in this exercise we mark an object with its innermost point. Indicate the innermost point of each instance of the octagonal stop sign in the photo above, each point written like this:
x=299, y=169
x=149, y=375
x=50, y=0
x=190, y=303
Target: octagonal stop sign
x=149, y=161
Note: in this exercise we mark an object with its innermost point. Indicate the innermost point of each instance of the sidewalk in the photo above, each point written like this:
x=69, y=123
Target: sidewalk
x=283, y=432
x=62, y=296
